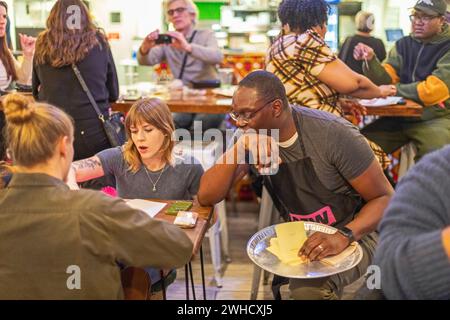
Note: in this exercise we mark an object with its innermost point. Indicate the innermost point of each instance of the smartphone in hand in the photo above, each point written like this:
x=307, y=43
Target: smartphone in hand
x=163, y=39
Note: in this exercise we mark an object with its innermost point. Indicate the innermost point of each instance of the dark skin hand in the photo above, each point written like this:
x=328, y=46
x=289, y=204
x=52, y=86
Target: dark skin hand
x=374, y=188
x=320, y=245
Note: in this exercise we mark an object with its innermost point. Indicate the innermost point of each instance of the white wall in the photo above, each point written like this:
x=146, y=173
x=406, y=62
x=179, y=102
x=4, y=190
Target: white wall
x=138, y=18
x=389, y=14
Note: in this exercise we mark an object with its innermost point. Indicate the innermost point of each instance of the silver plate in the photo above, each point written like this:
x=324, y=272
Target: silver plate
x=256, y=250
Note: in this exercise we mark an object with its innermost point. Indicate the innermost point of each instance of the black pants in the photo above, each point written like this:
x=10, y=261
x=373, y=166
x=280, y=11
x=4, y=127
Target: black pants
x=90, y=138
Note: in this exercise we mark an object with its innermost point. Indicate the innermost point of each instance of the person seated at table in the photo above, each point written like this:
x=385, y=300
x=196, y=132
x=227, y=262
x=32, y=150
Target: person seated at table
x=320, y=178
x=10, y=69
x=63, y=244
x=418, y=65
x=414, y=248
x=192, y=56
x=312, y=74
x=146, y=167
x=365, y=23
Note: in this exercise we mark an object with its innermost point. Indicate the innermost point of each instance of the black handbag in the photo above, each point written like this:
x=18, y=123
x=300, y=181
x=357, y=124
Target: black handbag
x=113, y=125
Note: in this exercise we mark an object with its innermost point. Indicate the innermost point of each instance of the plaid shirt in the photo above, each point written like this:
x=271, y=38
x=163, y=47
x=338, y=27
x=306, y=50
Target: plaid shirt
x=297, y=60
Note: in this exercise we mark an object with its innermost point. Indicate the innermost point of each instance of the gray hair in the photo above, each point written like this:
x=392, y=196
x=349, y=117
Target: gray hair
x=364, y=21
x=191, y=8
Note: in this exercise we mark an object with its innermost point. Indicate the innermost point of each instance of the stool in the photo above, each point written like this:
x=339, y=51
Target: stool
x=205, y=153
x=267, y=213
x=407, y=154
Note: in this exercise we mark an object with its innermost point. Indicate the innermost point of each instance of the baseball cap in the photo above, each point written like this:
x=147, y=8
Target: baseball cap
x=432, y=7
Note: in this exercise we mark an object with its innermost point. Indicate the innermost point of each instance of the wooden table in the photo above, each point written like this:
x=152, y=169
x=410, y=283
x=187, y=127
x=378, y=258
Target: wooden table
x=196, y=235
x=214, y=104
x=177, y=102
x=410, y=109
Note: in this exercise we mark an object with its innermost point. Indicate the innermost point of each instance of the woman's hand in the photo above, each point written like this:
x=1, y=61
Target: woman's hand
x=321, y=245
x=27, y=44
x=387, y=90
x=179, y=41
x=353, y=107
x=363, y=52
x=149, y=42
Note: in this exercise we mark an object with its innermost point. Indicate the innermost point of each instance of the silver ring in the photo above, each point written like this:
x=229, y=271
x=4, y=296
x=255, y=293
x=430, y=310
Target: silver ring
x=320, y=247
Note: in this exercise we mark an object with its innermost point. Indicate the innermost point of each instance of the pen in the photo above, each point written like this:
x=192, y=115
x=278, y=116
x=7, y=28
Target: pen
x=366, y=63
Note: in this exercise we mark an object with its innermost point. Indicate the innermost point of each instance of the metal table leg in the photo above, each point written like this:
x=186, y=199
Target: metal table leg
x=192, y=281
x=203, y=273
x=163, y=284
x=186, y=277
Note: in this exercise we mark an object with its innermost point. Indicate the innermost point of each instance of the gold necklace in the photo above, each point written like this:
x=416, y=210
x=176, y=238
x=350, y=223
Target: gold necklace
x=154, y=183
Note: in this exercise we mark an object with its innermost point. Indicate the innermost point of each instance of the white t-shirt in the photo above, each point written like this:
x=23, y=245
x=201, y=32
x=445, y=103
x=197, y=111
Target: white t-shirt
x=4, y=79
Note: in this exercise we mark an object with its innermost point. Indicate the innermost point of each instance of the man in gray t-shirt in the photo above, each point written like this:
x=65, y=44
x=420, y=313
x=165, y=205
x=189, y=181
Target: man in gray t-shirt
x=335, y=161
x=328, y=174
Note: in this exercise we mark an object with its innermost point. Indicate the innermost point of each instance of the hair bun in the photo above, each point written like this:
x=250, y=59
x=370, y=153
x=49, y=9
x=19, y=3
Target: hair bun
x=17, y=109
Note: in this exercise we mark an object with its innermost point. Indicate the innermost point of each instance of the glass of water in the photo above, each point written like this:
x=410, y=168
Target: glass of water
x=226, y=77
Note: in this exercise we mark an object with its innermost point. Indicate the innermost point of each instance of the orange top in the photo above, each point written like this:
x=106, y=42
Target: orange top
x=446, y=240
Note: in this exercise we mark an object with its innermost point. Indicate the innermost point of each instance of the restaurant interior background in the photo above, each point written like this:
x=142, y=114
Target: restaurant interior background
x=243, y=28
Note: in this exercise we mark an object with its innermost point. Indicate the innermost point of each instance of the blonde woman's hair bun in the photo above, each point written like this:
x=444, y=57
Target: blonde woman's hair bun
x=17, y=108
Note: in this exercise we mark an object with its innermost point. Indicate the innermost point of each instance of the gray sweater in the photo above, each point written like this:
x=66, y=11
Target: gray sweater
x=411, y=255
x=200, y=64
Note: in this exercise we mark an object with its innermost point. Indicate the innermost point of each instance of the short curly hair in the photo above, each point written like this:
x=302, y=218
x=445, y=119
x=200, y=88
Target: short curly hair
x=301, y=15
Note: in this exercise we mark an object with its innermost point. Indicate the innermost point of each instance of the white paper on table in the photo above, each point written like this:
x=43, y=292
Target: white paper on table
x=224, y=102
x=380, y=102
x=227, y=92
x=149, y=207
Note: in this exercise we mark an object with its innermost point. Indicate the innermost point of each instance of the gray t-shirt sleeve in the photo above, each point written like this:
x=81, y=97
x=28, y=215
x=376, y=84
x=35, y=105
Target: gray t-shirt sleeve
x=112, y=161
x=194, y=179
x=192, y=172
x=348, y=149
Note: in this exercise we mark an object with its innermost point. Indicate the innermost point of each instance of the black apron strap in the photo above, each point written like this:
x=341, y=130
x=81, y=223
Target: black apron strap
x=297, y=125
x=183, y=65
x=281, y=207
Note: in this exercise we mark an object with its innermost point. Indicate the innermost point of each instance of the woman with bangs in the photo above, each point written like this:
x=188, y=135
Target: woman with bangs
x=72, y=38
x=145, y=167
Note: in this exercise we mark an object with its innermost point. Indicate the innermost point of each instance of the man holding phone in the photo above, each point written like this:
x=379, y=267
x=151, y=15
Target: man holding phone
x=192, y=55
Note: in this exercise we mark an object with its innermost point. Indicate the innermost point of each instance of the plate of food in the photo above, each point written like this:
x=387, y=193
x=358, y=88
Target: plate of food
x=263, y=248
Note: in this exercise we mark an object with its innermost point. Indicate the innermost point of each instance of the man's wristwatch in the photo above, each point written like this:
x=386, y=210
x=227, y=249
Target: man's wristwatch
x=348, y=233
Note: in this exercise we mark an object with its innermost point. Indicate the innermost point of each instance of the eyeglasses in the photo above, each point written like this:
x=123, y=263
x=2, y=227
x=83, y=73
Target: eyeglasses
x=179, y=10
x=421, y=18
x=245, y=118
